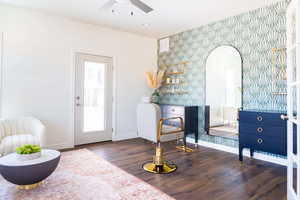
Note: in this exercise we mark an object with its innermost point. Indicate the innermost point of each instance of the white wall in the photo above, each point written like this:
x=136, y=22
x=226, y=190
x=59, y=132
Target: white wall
x=38, y=69
x=1, y=68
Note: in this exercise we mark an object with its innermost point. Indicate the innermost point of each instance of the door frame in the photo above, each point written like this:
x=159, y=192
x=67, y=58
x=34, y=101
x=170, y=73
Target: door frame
x=293, y=193
x=75, y=52
x=1, y=70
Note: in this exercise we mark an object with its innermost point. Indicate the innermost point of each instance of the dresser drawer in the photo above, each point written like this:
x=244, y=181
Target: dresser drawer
x=263, y=143
x=263, y=129
x=178, y=110
x=261, y=118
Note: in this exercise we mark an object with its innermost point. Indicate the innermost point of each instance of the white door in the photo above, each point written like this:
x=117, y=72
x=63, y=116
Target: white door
x=1, y=69
x=93, y=99
x=293, y=99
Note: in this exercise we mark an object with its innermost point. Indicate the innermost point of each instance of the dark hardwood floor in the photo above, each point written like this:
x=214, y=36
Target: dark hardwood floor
x=205, y=174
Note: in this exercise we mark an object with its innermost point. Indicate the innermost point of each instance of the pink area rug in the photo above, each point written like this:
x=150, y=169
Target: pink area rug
x=82, y=175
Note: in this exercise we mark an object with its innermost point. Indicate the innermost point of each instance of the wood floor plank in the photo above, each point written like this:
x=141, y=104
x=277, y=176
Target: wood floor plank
x=205, y=174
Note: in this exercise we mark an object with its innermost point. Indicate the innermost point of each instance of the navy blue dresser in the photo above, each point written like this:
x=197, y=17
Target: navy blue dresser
x=262, y=131
x=189, y=115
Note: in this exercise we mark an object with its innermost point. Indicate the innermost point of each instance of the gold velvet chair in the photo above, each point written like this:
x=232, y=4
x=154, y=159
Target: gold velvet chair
x=151, y=126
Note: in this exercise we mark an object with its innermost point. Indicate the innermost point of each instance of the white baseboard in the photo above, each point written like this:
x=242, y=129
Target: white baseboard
x=124, y=136
x=164, y=138
x=246, y=152
x=59, y=146
x=118, y=137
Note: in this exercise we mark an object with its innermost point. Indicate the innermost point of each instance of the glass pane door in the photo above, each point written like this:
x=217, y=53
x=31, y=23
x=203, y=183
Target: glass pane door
x=94, y=97
x=293, y=100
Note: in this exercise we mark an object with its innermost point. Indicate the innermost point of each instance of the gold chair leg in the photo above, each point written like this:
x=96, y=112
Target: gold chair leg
x=159, y=169
x=185, y=149
x=159, y=166
x=177, y=139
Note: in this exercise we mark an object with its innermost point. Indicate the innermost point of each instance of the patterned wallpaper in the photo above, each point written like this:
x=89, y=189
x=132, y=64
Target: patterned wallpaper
x=254, y=34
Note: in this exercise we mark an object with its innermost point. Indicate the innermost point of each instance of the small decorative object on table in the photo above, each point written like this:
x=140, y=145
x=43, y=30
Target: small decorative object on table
x=154, y=80
x=28, y=152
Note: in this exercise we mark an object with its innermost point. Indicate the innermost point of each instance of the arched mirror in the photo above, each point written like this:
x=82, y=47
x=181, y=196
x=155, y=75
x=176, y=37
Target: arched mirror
x=223, y=92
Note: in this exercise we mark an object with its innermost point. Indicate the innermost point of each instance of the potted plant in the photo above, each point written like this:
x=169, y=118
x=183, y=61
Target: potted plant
x=154, y=80
x=28, y=152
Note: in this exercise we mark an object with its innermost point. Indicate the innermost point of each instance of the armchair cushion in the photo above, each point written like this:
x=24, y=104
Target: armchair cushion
x=15, y=132
x=10, y=143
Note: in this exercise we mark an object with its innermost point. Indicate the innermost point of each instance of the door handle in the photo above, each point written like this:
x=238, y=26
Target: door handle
x=78, y=104
x=284, y=117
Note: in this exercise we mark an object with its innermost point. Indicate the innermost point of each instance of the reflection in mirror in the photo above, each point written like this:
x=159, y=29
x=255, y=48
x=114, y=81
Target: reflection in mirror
x=223, y=92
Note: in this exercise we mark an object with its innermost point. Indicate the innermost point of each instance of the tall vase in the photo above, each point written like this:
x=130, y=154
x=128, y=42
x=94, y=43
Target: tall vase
x=155, y=97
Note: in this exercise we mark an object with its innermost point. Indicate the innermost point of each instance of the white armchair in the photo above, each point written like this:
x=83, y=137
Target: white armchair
x=20, y=131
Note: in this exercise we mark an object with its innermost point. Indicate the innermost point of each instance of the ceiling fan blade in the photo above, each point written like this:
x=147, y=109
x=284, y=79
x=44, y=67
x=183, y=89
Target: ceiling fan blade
x=141, y=6
x=108, y=5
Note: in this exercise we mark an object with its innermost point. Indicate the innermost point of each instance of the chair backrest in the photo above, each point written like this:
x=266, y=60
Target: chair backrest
x=148, y=116
x=16, y=126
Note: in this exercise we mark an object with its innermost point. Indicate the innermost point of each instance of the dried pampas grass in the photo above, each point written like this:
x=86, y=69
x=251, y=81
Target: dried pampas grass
x=155, y=79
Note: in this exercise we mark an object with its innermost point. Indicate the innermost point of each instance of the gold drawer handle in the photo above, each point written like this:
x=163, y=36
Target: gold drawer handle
x=259, y=118
x=260, y=129
x=259, y=141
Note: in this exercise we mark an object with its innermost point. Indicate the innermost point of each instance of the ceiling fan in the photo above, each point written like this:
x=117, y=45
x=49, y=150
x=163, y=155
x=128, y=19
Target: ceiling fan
x=137, y=3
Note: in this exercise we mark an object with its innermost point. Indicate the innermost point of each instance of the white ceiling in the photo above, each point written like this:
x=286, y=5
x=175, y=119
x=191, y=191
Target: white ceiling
x=169, y=16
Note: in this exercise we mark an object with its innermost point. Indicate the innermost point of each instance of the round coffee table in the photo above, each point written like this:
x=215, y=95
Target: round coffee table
x=30, y=173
